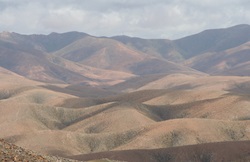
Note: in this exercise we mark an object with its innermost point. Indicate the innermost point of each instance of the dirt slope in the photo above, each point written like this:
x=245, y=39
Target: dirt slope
x=10, y=152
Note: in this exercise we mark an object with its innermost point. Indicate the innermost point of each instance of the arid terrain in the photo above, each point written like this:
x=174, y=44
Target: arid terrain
x=83, y=97
x=10, y=152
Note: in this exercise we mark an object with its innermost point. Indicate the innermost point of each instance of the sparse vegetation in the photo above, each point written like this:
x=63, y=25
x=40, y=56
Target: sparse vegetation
x=38, y=97
x=105, y=160
x=244, y=118
x=182, y=115
x=163, y=157
x=5, y=94
x=93, y=143
x=10, y=152
x=116, y=140
x=206, y=115
x=203, y=157
x=171, y=139
x=234, y=134
x=94, y=129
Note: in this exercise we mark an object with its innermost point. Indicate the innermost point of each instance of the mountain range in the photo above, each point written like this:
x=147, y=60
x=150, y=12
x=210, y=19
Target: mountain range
x=85, y=97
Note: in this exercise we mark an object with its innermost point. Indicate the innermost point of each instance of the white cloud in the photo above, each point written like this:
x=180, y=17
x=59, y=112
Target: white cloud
x=62, y=19
x=141, y=18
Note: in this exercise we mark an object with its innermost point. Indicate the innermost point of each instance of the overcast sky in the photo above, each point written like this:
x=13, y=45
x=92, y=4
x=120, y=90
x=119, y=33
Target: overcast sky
x=140, y=18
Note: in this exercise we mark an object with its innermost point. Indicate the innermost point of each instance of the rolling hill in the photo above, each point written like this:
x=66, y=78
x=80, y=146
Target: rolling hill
x=137, y=120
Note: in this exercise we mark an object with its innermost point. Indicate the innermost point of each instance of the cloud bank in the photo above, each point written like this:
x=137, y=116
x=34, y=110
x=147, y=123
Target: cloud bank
x=141, y=18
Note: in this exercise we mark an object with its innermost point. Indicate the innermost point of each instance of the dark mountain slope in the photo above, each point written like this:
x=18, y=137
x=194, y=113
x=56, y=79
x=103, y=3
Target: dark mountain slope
x=56, y=41
x=234, y=61
x=214, y=40
x=162, y=48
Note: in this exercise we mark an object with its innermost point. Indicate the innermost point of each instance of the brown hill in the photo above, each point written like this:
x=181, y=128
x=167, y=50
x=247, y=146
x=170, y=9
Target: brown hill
x=135, y=82
x=93, y=76
x=161, y=48
x=239, y=70
x=194, y=82
x=108, y=53
x=57, y=123
x=112, y=55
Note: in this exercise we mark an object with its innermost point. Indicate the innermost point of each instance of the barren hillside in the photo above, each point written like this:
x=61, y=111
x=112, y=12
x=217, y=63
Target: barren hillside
x=75, y=95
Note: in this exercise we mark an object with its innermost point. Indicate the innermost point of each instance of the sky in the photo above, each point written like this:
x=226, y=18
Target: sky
x=169, y=19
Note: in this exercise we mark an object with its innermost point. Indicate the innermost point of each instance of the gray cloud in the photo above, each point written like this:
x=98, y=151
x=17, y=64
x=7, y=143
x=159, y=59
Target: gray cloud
x=142, y=18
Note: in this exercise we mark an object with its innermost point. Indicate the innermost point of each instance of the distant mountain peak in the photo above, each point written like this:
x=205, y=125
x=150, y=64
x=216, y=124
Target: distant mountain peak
x=240, y=25
x=5, y=34
x=68, y=33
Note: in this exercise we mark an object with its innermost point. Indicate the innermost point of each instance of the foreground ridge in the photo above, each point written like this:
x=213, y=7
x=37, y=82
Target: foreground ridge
x=11, y=152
